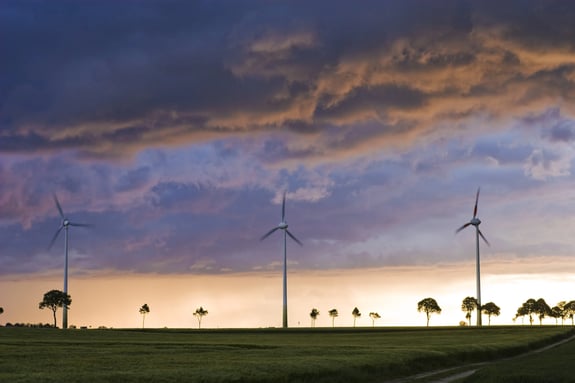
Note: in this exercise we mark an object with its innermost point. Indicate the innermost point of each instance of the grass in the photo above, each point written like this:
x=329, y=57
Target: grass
x=552, y=366
x=266, y=355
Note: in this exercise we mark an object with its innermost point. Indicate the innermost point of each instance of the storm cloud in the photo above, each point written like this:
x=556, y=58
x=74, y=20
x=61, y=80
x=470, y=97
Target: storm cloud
x=109, y=80
x=174, y=127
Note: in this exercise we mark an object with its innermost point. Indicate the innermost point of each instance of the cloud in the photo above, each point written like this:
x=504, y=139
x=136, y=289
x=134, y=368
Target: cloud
x=562, y=133
x=175, y=130
x=542, y=164
x=133, y=179
x=400, y=71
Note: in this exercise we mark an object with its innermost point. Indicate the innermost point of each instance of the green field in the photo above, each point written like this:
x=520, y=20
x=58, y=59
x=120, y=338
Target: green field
x=551, y=366
x=265, y=355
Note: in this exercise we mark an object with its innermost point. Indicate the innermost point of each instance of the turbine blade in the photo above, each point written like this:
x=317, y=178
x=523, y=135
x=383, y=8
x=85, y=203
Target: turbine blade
x=284, y=207
x=58, y=206
x=55, y=237
x=294, y=238
x=476, y=201
x=81, y=224
x=462, y=227
x=269, y=233
x=482, y=236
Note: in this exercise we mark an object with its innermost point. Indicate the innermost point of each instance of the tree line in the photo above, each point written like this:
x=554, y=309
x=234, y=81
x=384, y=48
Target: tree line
x=55, y=299
x=540, y=309
x=471, y=304
x=531, y=308
x=429, y=306
x=333, y=313
x=199, y=314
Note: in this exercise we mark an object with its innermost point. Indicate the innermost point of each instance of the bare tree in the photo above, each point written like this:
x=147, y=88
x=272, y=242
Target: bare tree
x=313, y=314
x=144, y=310
x=333, y=314
x=200, y=313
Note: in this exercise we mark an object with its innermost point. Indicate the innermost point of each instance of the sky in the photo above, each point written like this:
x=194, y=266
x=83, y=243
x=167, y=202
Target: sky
x=174, y=128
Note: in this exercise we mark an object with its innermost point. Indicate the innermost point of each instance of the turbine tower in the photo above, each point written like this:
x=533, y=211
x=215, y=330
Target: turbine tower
x=476, y=222
x=66, y=223
x=283, y=226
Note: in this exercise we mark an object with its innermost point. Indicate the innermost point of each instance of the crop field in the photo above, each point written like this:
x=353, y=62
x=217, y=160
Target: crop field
x=257, y=355
x=552, y=366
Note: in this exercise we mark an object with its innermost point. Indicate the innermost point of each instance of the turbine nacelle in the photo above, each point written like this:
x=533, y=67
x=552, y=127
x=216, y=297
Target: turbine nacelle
x=282, y=225
x=66, y=223
x=474, y=221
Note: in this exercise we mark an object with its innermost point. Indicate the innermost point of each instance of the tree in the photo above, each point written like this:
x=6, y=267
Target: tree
x=569, y=310
x=144, y=310
x=562, y=311
x=373, y=317
x=428, y=306
x=490, y=309
x=333, y=314
x=527, y=308
x=356, y=314
x=313, y=314
x=542, y=309
x=469, y=305
x=557, y=312
x=200, y=313
x=521, y=313
x=54, y=299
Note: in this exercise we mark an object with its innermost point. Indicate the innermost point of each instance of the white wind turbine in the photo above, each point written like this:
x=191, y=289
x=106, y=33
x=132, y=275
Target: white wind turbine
x=66, y=223
x=283, y=226
x=476, y=222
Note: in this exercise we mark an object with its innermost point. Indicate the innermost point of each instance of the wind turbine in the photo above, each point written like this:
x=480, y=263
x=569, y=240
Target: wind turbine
x=476, y=222
x=66, y=223
x=283, y=226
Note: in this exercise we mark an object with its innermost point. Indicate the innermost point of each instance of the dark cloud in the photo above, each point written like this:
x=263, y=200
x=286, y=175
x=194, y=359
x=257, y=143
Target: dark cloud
x=562, y=132
x=372, y=101
x=503, y=150
x=133, y=179
x=552, y=124
x=380, y=119
x=108, y=83
x=170, y=195
x=533, y=22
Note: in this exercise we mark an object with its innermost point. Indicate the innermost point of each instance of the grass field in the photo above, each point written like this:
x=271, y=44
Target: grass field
x=266, y=355
x=552, y=366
